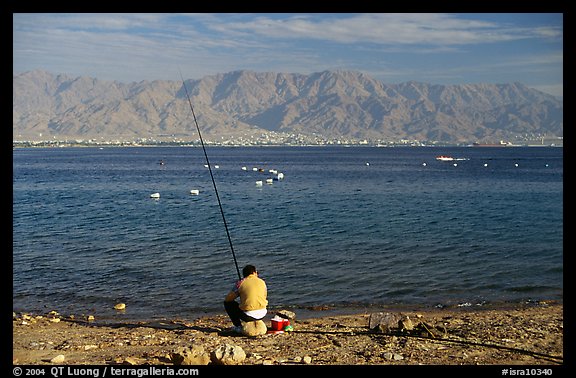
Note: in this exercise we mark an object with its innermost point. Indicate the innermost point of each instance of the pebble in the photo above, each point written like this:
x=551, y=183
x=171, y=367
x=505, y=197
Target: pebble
x=58, y=359
x=132, y=361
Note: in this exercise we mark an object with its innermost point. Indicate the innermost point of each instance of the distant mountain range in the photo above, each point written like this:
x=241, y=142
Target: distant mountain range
x=329, y=104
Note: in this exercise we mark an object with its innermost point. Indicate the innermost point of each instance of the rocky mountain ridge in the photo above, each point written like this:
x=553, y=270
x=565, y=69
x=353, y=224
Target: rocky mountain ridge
x=244, y=104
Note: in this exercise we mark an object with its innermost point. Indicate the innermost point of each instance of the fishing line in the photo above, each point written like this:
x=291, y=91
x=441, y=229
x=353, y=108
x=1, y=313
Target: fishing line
x=211, y=176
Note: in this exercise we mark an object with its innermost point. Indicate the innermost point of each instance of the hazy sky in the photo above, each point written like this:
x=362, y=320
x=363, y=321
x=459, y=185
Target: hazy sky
x=392, y=47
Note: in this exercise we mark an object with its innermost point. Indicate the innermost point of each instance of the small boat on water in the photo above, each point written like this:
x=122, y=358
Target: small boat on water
x=450, y=158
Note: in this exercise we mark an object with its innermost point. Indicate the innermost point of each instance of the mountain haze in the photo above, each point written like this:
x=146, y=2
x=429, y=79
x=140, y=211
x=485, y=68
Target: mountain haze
x=330, y=104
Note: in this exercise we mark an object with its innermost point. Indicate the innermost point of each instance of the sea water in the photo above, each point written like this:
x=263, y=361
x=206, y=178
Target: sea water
x=356, y=226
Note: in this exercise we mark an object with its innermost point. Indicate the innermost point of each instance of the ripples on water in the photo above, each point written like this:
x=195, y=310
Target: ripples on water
x=335, y=231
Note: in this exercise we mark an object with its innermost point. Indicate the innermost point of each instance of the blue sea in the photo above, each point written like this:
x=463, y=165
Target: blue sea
x=346, y=227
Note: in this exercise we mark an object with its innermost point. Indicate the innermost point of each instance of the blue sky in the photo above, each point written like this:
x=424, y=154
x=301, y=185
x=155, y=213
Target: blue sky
x=434, y=48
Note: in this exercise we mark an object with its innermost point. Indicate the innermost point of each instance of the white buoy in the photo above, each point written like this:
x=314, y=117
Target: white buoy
x=455, y=164
x=258, y=183
x=516, y=164
x=424, y=164
x=269, y=181
x=195, y=192
x=485, y=164
x=244, y=168
x=205, y=165
x=367, y=164
x=255, y=169
x=155, y=195
x=216, y=166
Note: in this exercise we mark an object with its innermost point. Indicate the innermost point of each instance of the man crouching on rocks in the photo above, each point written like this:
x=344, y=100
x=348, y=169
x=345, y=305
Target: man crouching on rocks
x=253, y=299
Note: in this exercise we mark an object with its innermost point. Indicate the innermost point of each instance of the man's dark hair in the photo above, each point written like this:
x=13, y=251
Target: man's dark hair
x=248, y=270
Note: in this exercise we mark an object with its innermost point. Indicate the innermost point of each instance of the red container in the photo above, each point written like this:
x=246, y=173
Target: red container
x=278, y=325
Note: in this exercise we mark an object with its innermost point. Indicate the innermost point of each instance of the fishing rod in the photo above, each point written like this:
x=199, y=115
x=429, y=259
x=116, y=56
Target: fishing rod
x=211, y=176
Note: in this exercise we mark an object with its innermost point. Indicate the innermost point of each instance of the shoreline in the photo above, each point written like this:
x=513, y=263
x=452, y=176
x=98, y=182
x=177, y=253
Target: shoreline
x=108, y=315
x=530, y=334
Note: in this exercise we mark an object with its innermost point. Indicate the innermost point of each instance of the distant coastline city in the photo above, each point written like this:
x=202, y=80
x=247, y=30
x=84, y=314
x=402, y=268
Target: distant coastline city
x=278, y=139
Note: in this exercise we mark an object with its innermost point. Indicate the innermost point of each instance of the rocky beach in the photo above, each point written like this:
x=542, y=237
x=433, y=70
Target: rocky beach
x=513, y=334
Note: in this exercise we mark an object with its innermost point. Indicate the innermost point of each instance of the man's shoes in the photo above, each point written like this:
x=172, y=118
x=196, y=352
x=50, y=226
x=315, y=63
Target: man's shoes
x=237, y=329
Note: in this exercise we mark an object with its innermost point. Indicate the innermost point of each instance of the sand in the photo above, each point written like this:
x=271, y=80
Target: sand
x=520, y=334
